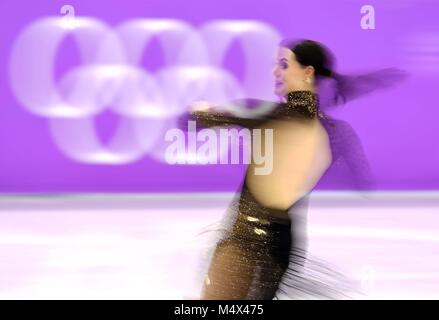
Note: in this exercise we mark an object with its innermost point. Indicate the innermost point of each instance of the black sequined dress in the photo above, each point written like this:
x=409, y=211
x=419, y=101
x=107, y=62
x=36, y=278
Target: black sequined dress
x=262, y=251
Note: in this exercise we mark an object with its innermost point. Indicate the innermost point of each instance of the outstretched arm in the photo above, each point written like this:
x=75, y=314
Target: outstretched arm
x=355, y=157
x=207, y=117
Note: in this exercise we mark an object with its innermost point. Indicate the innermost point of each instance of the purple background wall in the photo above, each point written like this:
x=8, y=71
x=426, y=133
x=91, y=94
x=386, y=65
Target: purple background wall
x=398, y=127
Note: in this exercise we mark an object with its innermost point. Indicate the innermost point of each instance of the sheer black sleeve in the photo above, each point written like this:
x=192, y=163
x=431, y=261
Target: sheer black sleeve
x=219, y=118
x=300, y=104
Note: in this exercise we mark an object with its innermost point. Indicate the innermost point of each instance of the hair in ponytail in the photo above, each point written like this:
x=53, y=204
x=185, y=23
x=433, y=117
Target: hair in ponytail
x=346, y=87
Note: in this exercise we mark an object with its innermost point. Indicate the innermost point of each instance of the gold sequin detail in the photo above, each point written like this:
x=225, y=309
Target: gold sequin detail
x=260, y=231
x=303, y=102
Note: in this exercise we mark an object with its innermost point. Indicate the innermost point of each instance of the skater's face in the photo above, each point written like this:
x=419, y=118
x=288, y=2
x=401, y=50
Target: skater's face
x=290, y=75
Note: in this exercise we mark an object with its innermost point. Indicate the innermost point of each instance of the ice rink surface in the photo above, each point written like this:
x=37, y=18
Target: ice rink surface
x=151, y=246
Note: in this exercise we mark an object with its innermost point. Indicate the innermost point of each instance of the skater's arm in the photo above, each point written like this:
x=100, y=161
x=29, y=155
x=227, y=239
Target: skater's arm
x=209, y=116
x=354, y=155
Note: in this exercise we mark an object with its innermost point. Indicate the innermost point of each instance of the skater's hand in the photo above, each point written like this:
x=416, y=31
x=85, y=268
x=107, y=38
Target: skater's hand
x=202, y=106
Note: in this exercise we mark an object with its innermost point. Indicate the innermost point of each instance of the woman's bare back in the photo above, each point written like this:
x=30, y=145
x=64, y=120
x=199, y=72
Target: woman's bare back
x=301, y=155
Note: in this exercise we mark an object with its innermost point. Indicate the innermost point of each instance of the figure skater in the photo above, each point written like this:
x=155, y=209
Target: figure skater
x=263, y=242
